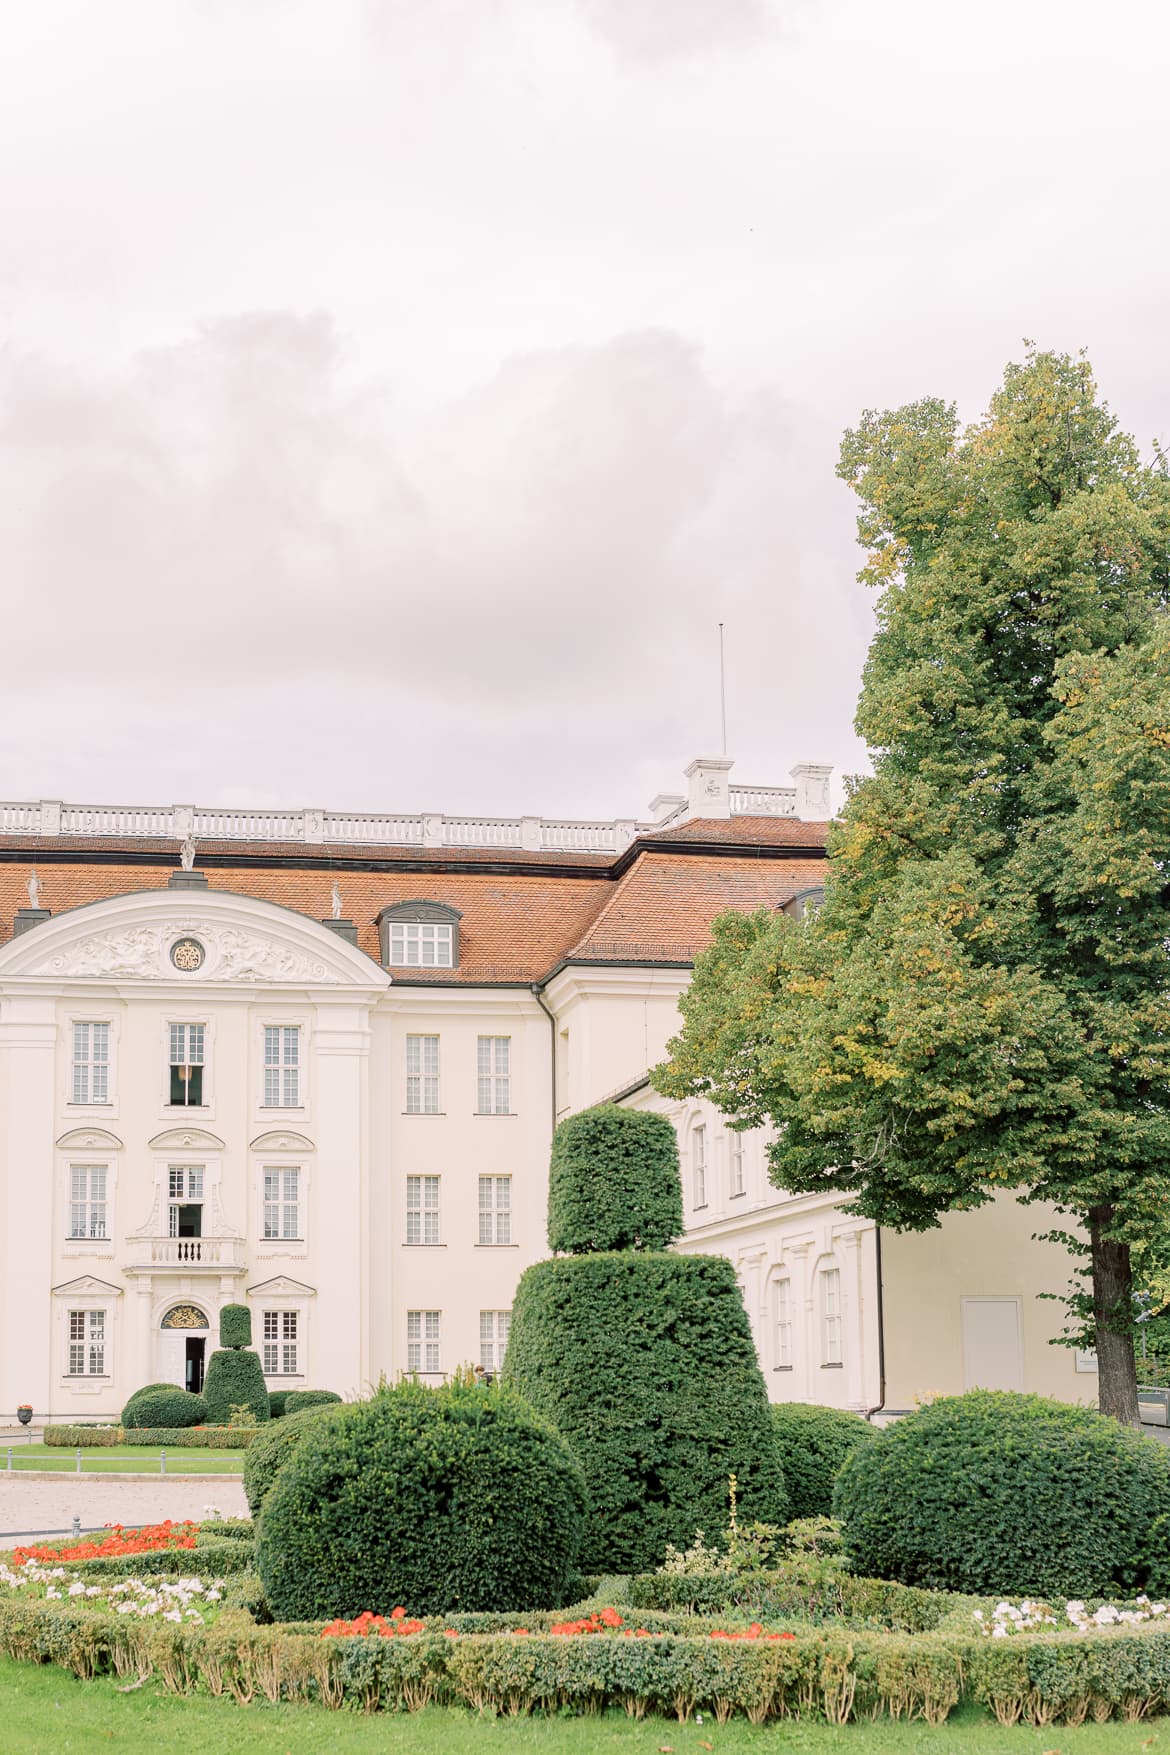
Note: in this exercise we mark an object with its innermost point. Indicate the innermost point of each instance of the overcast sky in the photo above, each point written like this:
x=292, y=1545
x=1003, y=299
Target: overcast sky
x=395, y=394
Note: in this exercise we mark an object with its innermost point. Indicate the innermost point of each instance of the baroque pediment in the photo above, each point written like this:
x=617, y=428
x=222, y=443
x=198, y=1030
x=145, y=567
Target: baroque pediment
x=183, y=1137
x=85, y=1286
x=281, y=1139
x=282, y=1287
x=89, y=1139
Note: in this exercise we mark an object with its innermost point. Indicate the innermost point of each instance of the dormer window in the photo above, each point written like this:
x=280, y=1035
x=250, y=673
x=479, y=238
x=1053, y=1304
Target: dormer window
x=804, y=902
x=419, y=935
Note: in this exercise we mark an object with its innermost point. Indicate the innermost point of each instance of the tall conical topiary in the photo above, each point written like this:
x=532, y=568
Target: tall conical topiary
x=235, y=1376
x=643, y=1360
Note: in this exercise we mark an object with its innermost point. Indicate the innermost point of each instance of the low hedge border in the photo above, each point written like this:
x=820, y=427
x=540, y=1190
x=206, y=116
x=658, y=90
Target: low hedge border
x=811, y=1594
x=88, y=1437
x=215, y=1559
x=1040, y=1679
x=194, y=1437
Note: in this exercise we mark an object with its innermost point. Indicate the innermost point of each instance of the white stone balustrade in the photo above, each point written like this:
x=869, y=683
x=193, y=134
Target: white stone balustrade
x=186, y=1254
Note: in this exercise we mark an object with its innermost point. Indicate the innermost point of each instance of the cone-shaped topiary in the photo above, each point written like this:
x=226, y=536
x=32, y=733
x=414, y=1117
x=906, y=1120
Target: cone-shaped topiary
x=437, y=1499
x=235, y=1326
x=613, y=1182
x=235, y=1378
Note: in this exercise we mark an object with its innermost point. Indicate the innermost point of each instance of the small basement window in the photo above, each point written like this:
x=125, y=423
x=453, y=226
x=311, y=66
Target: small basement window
x=419, y=935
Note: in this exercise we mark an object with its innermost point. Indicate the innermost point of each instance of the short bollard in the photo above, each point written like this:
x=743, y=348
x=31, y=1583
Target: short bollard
x=162, y=1462
x=79, y=1459
x=76, y=1525
x=9, y=1459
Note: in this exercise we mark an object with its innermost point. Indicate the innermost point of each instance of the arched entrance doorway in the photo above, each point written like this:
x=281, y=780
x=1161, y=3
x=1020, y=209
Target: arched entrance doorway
x=182, y=1352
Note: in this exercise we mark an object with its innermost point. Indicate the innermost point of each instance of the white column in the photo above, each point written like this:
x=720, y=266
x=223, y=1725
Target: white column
x=342, y=1241
x=28, y=1040
x=853, y=1317
x=140, y=1349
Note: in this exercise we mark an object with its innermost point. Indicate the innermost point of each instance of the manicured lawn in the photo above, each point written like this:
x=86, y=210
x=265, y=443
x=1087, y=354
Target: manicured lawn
x=122, y=1459
x=45, y=1712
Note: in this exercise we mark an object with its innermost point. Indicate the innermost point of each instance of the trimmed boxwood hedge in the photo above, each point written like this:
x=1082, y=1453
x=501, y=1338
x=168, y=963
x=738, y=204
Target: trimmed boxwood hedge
x=272, y=1449
x=646, y=1363
x=88, y=1437
x=195, y=1437
x=996, y=1492
x=613, y=1182
x=297, y=1400
x=813, y=1442
x=164, y=1405
x=235, y=1378
x=452, y=1498
x=235, y=1326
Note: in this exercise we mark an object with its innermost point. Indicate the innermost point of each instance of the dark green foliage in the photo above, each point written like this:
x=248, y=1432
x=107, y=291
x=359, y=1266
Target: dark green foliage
x=437, y=1499
x=613, y=1182
x=194, y=1437
x=70, y=1437
x=813, y=1443
x=271, y=1450
x=276, y=1403
x=235, y=1326
x=994, y=1492
x=234, y=1379
x=297, y=1400
x=646, y=1364
x=163, y=1404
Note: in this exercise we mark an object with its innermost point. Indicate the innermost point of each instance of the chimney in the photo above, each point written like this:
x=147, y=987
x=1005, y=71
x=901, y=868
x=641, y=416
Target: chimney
x=26, y=918
x=346, y=929
x=812, y=791
x=710, y=786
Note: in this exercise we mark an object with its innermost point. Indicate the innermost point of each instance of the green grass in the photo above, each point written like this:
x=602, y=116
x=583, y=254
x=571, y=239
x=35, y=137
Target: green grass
x=44, y=1711
x=121, y=1459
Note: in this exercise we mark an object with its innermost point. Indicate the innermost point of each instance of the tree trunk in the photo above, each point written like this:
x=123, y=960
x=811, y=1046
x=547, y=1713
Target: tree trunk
x=1113, y=1319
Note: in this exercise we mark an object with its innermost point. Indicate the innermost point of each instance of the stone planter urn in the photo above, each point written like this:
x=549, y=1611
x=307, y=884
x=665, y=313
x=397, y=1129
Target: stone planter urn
x=24, y=1413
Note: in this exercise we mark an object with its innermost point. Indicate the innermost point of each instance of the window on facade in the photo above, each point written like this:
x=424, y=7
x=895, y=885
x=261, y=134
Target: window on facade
x=91, y=1063
x=421, y=944
x=282, y=1066
x=735, y=1179
x=699, y=1164
x=282, y=1203
x=87, y=1200
x=495, y=1209
x=87, y=1343
x=281, y=1341
x=784, y=1325
x=831, y=1315
x=186, y=1065
x=422, y=1340
x=494, y=1068
x=422, y=1209
x=493, y=1338
x=422, y=1075
x=185, y=1195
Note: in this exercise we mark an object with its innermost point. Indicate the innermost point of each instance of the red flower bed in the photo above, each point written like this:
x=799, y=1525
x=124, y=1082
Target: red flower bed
x=117, y=1545
x=602, y=1621
x=367, y=1622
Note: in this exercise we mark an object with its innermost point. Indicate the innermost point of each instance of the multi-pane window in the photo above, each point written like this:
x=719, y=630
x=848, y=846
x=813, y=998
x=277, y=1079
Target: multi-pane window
x=87, y=1343
x=422, y=1209
x=493, y=1338
x=495, y=1209
x=91, y=1063
x=280, y=1343
x=421, y=944
x=422, y=1340
x=494, y=1067
x=87, y=1200
x=784, y=1324
x=699, y=1164
x=422, y=1075
x=735, y=1164
x=831, y=1315
x=282, y=1066
x=186, y=1065
x=185, y=1194
x=282, y=1203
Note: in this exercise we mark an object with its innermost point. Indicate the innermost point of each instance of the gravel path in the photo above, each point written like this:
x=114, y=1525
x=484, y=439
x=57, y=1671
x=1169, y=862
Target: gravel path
x=30, y=1502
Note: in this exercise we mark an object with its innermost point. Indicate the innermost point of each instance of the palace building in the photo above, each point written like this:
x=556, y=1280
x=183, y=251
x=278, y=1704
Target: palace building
x=316, y=1067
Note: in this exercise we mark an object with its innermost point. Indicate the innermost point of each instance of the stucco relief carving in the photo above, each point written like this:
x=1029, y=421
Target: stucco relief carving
x=141, y=953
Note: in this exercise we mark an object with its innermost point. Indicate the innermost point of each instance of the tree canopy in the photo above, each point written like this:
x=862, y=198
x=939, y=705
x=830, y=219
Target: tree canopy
x=983, y=1001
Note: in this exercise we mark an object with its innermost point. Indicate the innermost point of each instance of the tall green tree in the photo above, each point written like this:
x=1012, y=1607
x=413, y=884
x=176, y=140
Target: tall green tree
x=983, y=1002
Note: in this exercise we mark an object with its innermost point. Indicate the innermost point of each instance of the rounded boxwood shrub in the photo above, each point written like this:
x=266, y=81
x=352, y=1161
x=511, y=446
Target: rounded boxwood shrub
x=270, y=1450
x=163, y=1404
x=296, y=1400
x=613, y=1182
x=813, y=1442
x=234, y=1379
x=646, y=1363
x=436, y=1499
x=235, y=1326
x=1004, y=1494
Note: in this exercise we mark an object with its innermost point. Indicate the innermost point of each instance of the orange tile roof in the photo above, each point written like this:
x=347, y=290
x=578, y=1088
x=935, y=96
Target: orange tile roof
x=648, y=905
